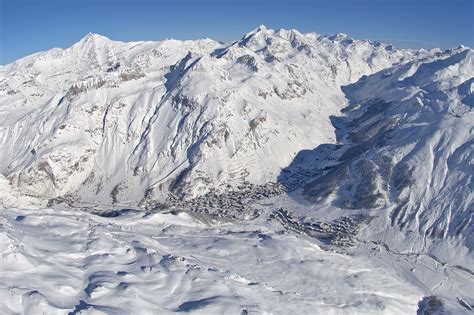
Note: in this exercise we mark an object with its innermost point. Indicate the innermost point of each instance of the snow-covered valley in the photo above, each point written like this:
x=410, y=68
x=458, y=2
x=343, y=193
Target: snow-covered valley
x=278, y=173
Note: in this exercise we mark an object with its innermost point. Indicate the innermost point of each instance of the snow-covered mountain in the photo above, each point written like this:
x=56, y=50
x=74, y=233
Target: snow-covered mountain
x=298, y=140
x=410, y=134
x=404, y=157
x=107, y=121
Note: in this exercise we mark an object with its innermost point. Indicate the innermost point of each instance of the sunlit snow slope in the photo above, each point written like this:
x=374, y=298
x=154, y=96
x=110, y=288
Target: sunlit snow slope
x=56, y=262
x=108, y=121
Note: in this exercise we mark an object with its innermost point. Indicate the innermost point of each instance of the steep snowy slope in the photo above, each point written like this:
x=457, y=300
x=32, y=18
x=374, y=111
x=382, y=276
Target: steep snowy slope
x=405, y=157
x=62, y=109
x=106, y=121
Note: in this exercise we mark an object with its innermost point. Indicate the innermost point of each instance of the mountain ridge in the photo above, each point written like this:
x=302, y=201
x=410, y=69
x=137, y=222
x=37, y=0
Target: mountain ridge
x=106, y=66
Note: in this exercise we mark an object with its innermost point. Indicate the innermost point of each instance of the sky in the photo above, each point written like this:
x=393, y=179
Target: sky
x=29, y=26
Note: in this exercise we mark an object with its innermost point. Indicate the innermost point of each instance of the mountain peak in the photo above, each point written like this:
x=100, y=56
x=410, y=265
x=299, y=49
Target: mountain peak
x=93, y=37
x=92, y=41
x=339, y=36
x=259, y=29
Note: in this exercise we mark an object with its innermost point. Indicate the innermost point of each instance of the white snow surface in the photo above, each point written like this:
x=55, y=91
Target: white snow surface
x=278, y=173
x=137, y=120
x=55, y=262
